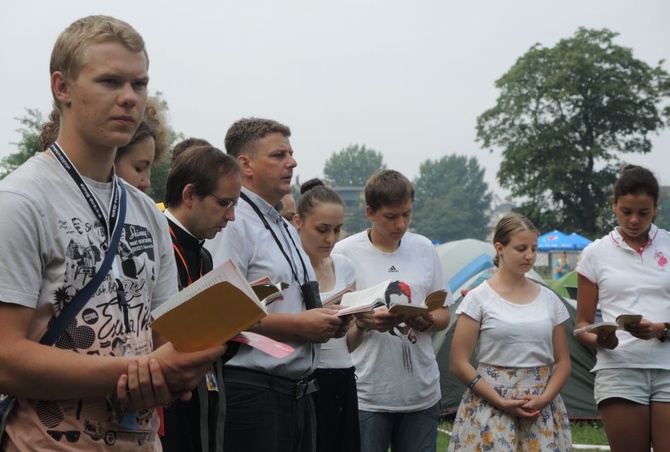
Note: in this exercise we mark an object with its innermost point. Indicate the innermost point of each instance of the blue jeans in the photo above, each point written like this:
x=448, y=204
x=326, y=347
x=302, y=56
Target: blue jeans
x=415, y=431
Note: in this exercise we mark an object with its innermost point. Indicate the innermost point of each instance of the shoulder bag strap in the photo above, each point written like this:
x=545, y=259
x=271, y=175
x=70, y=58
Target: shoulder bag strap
x=75, y=306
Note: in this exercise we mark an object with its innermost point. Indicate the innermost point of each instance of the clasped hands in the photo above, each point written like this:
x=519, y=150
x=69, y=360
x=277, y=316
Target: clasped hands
x=526, y=406
x=164, y=376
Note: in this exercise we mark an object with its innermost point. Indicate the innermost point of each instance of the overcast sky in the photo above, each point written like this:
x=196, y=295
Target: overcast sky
x=406, y=78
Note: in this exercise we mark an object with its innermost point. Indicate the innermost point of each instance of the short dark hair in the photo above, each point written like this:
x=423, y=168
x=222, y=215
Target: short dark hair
x=185, y=144
x=387, y=188
x=636, y=180
x=244, y=132
x=201, y=166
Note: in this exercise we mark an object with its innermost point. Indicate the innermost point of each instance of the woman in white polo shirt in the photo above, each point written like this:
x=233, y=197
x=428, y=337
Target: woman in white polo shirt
x=628, y=272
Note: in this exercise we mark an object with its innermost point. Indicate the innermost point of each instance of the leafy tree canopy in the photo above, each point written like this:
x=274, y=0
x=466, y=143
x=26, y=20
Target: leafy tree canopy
x=452, y=199
x=352, y=166
x=31, y=124
x=563, y=118
x=663, y=218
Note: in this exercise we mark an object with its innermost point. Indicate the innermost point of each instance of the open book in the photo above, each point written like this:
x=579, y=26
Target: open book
x=336, y=298
x=267, y=291
x=609, y=327
x=375, y=296
x=210, y=311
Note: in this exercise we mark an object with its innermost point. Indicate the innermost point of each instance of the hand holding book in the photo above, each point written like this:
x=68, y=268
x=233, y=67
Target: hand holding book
x=375, y=296
x=213, y=310
x=606, y=328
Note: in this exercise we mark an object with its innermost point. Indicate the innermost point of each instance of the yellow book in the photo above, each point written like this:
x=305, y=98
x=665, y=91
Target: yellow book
x=210, y=311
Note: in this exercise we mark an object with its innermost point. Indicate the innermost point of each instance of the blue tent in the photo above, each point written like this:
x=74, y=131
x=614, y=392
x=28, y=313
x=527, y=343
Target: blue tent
x=558, y=241
x=580, y=240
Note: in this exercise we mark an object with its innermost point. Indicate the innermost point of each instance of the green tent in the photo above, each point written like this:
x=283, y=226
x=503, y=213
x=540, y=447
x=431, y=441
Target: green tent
x=566, y=285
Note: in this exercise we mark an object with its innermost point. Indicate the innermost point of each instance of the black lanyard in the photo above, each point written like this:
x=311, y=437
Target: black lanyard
x=274, y=236
x=88, y=195
x=97, y=210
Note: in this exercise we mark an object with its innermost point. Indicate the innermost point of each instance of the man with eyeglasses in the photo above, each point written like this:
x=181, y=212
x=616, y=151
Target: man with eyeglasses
x=201, y=193
x=268, y=406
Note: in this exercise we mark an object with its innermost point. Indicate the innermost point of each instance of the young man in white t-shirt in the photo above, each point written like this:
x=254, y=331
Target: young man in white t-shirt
x=398, y=378
x=78, y=394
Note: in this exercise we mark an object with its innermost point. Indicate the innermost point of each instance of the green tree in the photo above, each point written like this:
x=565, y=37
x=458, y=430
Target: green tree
x=452, y=199
x=351, y=167
x=28, y=146
x=563, y=118
x=160, y=169
x=663, y=218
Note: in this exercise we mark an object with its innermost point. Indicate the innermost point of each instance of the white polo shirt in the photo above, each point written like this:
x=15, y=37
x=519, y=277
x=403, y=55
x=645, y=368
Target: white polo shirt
x=252, y=248
x=631, y=282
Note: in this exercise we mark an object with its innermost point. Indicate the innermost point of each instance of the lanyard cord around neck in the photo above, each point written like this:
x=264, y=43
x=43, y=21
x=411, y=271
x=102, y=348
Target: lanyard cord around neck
x=274, y=236
x=177, y=249
x=88, y=195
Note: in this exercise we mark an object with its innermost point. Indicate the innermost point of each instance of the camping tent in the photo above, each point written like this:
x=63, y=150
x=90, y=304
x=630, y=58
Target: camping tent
x=566, y=285
x=578, y=391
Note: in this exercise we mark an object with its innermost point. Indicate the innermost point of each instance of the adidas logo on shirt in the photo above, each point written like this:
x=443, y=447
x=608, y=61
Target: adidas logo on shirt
x=393, y=269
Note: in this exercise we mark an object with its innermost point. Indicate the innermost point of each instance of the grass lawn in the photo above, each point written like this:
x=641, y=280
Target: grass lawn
x=583, y=432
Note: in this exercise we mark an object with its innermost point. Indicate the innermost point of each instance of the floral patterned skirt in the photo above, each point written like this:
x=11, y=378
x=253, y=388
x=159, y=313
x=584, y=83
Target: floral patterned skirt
x=480, y=426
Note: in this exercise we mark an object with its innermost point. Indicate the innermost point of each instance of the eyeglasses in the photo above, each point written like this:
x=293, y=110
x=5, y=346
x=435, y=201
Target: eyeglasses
x=225, y=203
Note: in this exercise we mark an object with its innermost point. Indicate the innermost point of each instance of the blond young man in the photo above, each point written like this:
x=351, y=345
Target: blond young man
x=76, y=395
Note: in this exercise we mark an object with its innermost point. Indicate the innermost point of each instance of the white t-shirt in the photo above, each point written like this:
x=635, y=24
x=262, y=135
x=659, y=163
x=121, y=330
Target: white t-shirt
x=514, y=335
x=396, y=370
x=335, y=352
x=631, y=282
x=52, y=245
x=251, y=247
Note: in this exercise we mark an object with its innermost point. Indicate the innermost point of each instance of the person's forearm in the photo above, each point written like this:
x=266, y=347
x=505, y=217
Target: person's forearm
x=558, y=378
x=280, y=327
x=476, y=383
x=36, y=371
x=440, y=320
x=355, y=335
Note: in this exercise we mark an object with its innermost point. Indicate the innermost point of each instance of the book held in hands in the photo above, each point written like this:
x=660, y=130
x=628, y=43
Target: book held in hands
x=609, y=327
x=211, y=311
x=375, y=296
x=336, y=298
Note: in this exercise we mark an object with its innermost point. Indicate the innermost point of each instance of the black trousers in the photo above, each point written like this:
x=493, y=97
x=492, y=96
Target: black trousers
x=261, y=419
x=336, y=404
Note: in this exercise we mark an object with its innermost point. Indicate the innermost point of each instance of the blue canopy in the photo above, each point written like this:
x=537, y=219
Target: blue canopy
x=558, y=241
x=580, y=240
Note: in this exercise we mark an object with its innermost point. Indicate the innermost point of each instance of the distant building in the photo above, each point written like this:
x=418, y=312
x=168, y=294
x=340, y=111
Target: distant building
x=352, y=197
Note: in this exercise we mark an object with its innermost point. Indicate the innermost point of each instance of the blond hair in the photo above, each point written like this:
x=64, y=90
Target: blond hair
x=69, y=54
x=508, y=226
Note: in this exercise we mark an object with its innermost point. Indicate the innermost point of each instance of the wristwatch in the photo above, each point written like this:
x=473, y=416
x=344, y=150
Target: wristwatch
x=666, y=332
